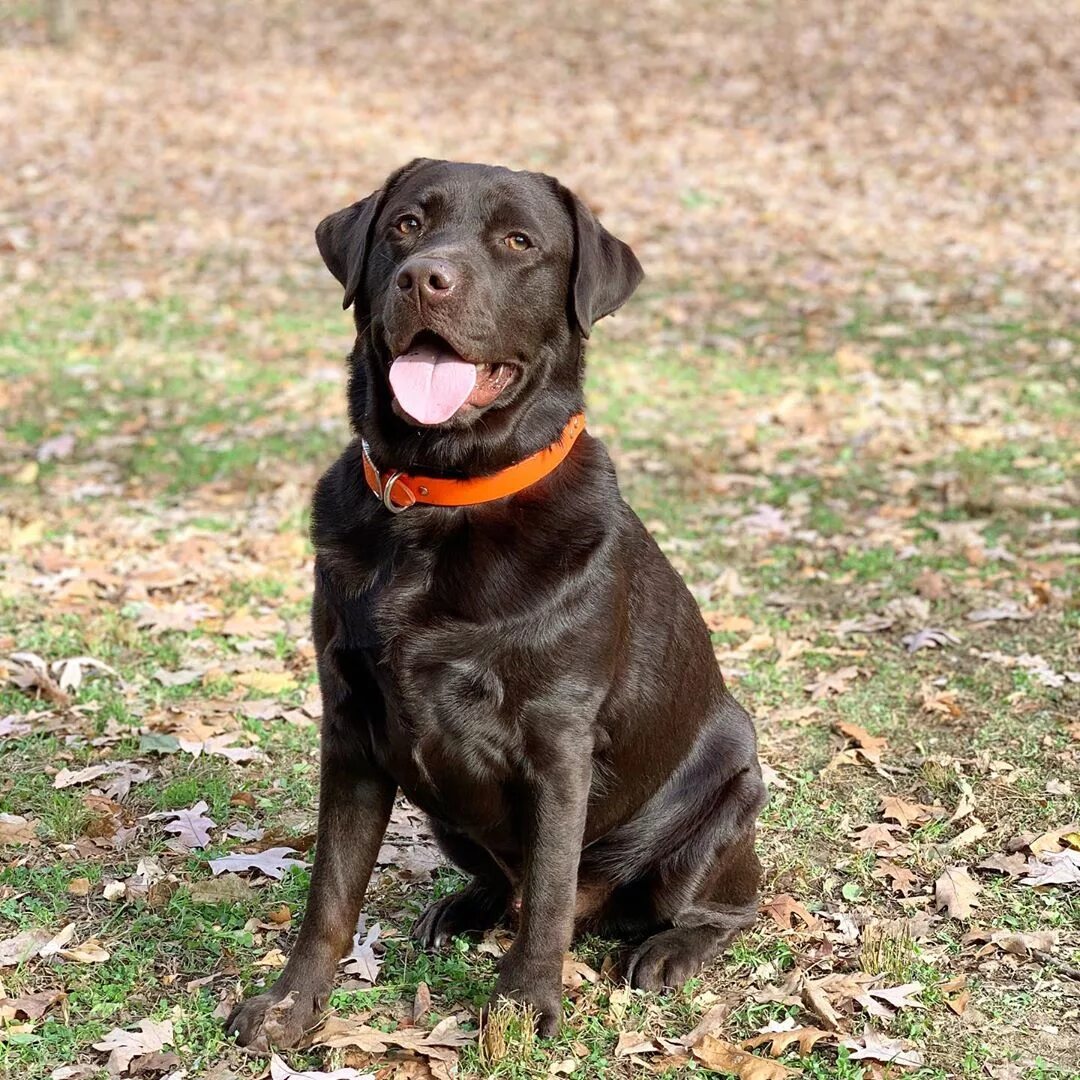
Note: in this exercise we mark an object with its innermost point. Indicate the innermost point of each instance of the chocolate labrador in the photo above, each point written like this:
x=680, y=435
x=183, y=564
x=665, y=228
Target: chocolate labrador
x=497, y=634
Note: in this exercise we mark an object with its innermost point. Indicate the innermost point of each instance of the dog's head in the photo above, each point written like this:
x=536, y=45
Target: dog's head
x=473, y=287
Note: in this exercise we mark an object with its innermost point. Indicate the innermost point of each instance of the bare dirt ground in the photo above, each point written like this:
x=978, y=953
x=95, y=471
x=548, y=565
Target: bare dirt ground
x=845, y=400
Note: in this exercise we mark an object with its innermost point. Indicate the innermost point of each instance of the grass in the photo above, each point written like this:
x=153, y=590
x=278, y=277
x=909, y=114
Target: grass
x=194, y=453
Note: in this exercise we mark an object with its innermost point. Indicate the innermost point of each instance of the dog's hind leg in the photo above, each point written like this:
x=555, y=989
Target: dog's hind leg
x=481, y=905
x=701, y=929
x=703, y=889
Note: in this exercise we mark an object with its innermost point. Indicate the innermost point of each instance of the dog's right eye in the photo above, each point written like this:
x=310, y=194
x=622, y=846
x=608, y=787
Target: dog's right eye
x=407, y=224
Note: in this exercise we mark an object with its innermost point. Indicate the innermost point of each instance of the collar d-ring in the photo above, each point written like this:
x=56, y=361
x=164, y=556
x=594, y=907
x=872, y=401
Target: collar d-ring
x=387, y=491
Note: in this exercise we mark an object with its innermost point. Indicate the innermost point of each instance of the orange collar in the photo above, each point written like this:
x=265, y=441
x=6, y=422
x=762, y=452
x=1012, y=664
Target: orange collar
x=398, y=491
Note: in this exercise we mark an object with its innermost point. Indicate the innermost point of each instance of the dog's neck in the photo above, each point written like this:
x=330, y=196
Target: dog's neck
x=498, y=439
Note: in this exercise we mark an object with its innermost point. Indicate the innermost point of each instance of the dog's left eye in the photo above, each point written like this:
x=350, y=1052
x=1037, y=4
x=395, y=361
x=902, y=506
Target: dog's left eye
x=408, y=224
x=518, y=242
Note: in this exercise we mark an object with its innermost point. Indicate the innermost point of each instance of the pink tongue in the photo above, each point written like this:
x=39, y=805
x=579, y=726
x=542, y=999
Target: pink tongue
x=431, y=384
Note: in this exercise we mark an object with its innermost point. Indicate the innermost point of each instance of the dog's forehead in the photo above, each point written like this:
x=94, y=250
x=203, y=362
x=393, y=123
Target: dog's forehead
x=483, y=192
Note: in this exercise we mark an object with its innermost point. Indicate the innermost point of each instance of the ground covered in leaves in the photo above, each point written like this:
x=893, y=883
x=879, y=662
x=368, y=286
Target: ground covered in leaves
x=845, y=401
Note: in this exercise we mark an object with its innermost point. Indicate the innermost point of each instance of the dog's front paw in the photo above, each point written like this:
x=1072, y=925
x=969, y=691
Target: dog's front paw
x=541, y=992
x=280, y=1017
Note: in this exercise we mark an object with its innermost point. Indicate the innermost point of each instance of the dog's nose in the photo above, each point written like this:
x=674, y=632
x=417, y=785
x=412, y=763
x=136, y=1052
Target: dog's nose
x=432, y=279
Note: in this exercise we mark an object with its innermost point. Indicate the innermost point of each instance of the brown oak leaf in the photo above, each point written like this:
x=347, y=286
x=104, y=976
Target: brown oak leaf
x=870, y=746
x=806, y=1037
x=785, y=909
x=832, y=683
x=901, y=879
x=725, y=1057
x=955, y=892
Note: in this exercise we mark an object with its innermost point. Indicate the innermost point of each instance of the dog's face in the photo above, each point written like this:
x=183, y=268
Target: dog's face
x=473, y=286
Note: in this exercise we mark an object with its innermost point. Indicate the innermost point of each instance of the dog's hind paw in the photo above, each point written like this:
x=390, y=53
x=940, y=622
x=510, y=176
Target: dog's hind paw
x=668, y=959
x=473, y=910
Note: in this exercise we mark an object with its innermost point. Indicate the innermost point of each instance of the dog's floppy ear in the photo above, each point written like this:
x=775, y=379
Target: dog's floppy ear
x=605, y=271
x=343, y=241
x=344, y=237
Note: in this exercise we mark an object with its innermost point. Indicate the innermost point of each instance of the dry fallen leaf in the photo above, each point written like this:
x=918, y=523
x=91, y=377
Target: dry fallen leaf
x=67, y=778
x=244, y=624
x=180, y=616
x=887, y=1001
x=870, y=746
x=30, y=1006
x=784, y=910
x=931, y=585
x=816, y=998
x=75, y=1072
x=806, y=1037
x=15, y=829
x=1054, y=868
x=123, y=773
x=227, y=889
x=710, y=1024
x=878, y=837
x=274, y=959
x=1025, y=944
x=89, y=952
x=973, y=833
x=279, y=1070
x=900, y=878
x=441, y=1043
x=576, y=974
x=122, y=1046
x=728, y=624
x=870, y=624
x=725, y=1057
x=955, y=892
x=832, y=683
x=1052, y=840
x=274, y=862
x=634, y=1042
x=1015, y=865
x=941, y=702
x=876, y=1047
x=421, y=1005
x=191, y=826
x=931, y=637
x=894, y=808
x=20, y=948
x=997, y=614
x=959, y=1003
x=266, y=682
x=58, y=942
x=361, y=960
x=79, y=887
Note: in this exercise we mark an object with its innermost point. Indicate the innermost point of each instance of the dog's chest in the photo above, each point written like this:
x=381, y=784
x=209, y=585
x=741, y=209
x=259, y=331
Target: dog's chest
x=453, y=737
x=474, y=662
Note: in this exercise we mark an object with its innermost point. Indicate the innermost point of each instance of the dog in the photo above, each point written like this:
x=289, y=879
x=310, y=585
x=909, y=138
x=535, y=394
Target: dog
x=497, y=634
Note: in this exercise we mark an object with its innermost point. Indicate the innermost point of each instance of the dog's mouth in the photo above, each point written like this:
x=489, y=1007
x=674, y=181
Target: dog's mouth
x=432, y=382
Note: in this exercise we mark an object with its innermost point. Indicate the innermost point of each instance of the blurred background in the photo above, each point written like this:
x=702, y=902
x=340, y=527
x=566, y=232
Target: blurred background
x=844, y=400
x=834, y=148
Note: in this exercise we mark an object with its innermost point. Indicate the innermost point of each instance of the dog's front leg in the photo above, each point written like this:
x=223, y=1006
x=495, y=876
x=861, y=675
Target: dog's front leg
x=354, y=807
x=554, y=806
